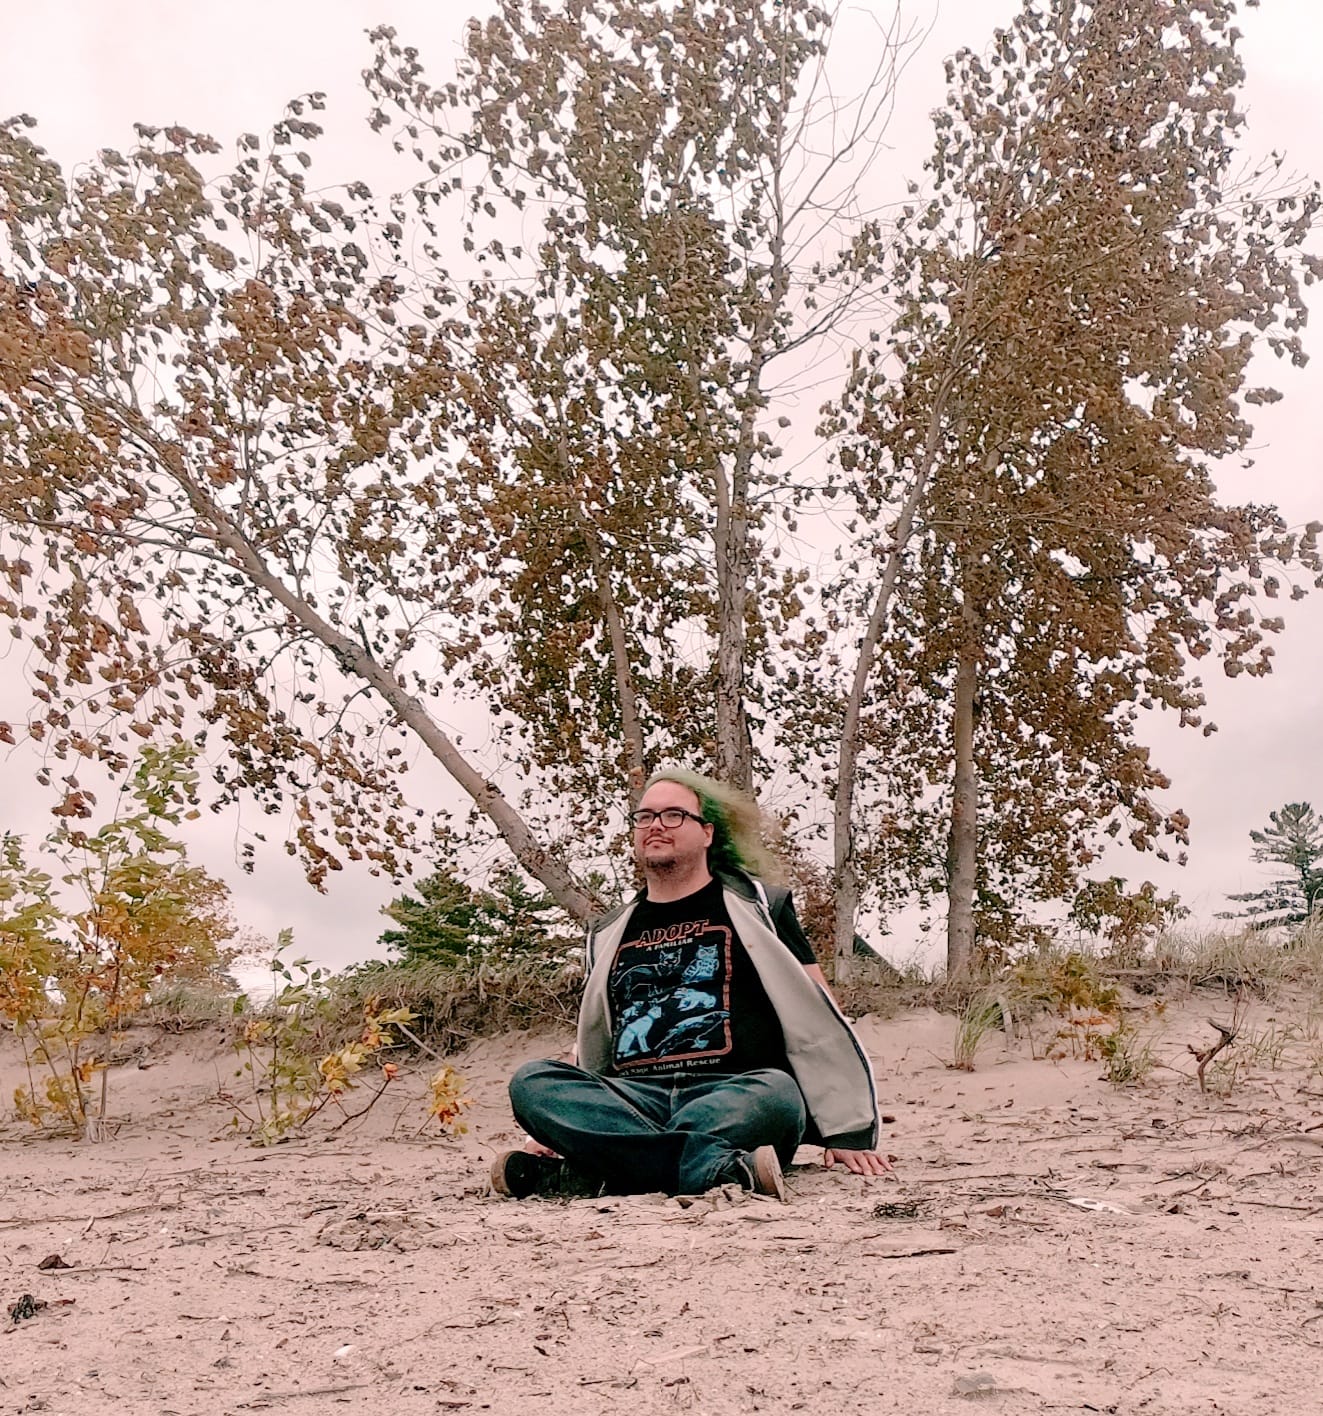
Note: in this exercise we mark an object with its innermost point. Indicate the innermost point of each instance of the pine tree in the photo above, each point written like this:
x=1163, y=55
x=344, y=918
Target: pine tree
x=1292, y=839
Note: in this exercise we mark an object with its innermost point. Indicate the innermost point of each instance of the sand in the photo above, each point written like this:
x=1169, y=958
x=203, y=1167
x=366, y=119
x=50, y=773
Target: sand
x=1050, y=1243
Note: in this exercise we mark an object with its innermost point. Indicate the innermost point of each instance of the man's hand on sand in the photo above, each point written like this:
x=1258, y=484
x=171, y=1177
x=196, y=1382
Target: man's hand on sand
x=858, y=1162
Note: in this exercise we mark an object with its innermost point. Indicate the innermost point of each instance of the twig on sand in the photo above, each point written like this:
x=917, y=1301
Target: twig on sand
x=8, y=1222
x=958, y=1178
x=232, y=1233
x=906, y=1253
x=1203, y=1056
x=1274, y=1205
x=267, y=1397
x=76, y=1271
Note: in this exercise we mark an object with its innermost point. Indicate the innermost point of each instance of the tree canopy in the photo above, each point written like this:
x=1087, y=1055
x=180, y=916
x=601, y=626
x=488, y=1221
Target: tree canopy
x=309, y=476
x=1080, y=298
x=267, y=462
x=446, y=919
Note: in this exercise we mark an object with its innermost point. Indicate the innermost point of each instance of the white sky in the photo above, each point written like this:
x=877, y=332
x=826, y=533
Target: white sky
x=87, y=69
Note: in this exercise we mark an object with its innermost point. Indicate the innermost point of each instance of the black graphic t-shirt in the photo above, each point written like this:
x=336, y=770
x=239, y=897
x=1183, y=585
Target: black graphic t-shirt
x=685, y=996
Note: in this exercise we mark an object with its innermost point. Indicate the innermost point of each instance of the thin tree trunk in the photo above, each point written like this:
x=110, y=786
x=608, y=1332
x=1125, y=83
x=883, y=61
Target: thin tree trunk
x=734, y=553
x=734, y=740
x=962, y=838
x=631, y=728
x=846, y=876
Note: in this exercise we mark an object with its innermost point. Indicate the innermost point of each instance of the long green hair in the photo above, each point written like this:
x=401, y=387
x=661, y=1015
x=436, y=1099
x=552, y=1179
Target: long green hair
x=738, y=841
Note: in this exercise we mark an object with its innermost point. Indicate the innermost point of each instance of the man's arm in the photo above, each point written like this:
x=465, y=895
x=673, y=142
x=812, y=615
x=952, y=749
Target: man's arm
x=791, y=933
x=815, y=972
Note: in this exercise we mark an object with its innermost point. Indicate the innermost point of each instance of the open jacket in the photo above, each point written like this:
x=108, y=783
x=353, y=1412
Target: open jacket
x=825, y=1057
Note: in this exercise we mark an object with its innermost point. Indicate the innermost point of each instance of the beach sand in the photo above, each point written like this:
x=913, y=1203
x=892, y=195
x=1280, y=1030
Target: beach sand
x=1050, y=1243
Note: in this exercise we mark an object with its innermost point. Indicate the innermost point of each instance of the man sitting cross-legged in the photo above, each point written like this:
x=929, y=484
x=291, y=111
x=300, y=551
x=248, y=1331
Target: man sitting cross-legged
x=708, y=1044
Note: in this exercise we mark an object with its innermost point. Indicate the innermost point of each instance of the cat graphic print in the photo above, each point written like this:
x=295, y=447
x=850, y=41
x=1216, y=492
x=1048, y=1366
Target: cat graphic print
x=670, y=996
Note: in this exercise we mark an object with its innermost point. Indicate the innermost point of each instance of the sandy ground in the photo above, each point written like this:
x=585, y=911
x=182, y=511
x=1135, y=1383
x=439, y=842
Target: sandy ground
x=1051, y=1243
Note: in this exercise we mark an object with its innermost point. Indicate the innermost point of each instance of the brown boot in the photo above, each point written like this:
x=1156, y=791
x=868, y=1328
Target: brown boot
x=519, y=1175
x=765, y=1167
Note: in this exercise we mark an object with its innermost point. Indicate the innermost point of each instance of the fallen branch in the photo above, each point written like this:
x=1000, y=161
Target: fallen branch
x=1203, y=1056
x=268, y=1397
x=904, y=1253
x=231, y=1233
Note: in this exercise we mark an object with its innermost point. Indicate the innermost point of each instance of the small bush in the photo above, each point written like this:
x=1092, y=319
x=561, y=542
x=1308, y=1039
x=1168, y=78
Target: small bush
x=286, y=1084
x=79, y=954
x=1129, y=1058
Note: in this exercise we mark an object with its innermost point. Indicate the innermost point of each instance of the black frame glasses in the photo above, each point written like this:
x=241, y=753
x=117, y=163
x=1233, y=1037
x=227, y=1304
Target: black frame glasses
x=670, y=816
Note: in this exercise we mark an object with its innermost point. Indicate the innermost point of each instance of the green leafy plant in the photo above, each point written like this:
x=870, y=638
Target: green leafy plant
x=1071, y=988
x=1127, y=919
x=1129, y=1058
x=78, y=955
x=289, y=1080
x=284, y=1085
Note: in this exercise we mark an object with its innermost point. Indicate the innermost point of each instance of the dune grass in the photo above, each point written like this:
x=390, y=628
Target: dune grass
x=454, y=1003
x=459, y=1001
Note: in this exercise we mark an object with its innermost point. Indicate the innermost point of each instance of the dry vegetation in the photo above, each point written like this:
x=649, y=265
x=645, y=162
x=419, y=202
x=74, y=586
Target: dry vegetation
x=456, y=1003
x=1062, y=1001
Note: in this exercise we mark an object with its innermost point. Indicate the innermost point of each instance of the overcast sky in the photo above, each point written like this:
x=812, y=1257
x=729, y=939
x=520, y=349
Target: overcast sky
x=87, y=69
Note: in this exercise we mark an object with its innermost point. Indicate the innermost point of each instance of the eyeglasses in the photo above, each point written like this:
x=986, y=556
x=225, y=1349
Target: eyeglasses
x=669, y=816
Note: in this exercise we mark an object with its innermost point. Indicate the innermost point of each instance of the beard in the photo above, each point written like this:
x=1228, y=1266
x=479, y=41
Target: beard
x=662, y=858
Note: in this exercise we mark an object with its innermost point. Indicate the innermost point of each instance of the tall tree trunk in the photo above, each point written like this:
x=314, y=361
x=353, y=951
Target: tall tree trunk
x=622, y=668
x=844, y=872
x=734, y=763
x=962, y=839
x=631, y=729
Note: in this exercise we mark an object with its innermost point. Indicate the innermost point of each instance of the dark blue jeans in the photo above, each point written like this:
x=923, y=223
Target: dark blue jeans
x=678, y=1134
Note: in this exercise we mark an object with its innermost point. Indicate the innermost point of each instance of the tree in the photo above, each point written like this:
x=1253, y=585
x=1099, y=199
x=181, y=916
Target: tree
x=1128, y=919
x=439, y=921
x=1293, y=839
x=282, y=470
x=1080, y=298
x=267, y=462
x=76, y=961
x=626, y=378
x=450, y=920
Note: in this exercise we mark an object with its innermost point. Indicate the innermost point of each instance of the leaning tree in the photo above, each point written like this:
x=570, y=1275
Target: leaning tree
x=310, y=474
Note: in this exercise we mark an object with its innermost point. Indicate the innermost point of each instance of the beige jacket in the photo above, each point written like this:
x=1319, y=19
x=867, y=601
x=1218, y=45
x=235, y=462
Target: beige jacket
x=825, y=1057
